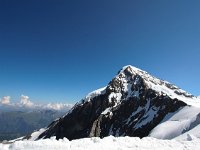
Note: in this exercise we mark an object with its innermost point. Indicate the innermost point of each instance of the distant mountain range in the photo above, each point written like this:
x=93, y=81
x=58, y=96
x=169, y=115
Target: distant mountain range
x=134, y=103
x=20, y=119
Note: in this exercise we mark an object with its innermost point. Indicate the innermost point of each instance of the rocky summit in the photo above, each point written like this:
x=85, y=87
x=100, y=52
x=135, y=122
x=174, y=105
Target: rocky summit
x=132, y=104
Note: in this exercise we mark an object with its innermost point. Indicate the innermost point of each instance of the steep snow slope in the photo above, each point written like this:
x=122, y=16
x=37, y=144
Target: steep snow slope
x=194, y=132
x=177, y=123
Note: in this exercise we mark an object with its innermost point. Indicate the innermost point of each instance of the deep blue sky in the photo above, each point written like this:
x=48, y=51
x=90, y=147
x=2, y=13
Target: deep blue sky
x=58, y=51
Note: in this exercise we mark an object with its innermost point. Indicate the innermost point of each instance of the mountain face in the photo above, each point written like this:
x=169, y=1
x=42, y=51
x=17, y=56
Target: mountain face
x=132, y=104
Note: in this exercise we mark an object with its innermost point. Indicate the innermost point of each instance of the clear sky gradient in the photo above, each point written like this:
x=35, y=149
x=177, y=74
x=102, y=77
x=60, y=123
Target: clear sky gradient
x=59, y=50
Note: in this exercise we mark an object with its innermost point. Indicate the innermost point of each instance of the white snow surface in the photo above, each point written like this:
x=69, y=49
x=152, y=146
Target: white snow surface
x=187, y=135
x=35, y=134
x=107, y=143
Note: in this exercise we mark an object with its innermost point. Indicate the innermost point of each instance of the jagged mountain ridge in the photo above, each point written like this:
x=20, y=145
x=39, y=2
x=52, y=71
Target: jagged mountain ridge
x=132, y=104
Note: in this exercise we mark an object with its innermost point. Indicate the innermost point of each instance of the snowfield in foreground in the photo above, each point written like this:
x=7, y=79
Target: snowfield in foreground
x=107, y=143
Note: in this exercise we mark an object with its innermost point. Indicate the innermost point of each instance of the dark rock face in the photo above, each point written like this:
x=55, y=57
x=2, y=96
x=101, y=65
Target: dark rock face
x=128, y=106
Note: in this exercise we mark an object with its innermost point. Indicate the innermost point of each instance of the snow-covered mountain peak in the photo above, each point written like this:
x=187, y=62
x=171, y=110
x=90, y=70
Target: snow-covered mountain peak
x=129, y=72
x=133, y=81
x=132, y=104
x=132, y=69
